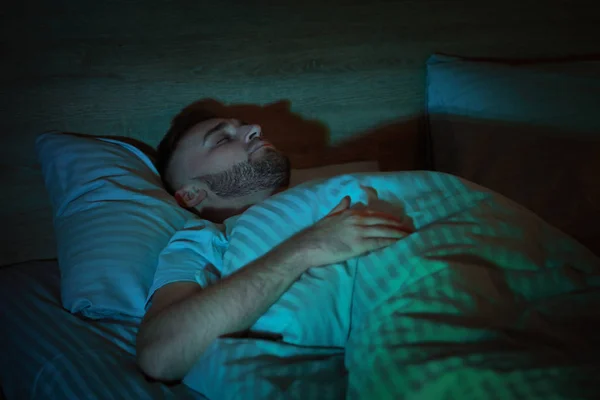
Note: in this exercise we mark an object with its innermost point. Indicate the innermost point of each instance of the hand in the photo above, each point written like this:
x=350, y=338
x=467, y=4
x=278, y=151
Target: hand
x=346, y=233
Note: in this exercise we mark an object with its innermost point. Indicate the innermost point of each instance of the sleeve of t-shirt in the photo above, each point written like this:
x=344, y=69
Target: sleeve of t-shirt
x=194, y=254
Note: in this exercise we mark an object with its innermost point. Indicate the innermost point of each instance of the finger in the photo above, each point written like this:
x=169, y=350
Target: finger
x=372, y=194
x=383, y=231
x=406, y=229
x=374, y=216
x=381, y=242
x=386, y=217
x=343, y=205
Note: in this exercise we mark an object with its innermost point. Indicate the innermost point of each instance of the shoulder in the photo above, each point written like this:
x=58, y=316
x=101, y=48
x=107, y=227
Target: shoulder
x=193, y=258
x=197, y=237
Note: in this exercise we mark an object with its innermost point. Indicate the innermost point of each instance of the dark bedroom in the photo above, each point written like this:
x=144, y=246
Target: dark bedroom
x=387, y=199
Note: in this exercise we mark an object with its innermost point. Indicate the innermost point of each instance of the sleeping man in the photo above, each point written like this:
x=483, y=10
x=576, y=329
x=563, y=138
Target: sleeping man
x=218, y=168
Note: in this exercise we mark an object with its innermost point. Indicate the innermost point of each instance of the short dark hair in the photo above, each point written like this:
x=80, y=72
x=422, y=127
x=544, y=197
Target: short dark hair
x=180, y=126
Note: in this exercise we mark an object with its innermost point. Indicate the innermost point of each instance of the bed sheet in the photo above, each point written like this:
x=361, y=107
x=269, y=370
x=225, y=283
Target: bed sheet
x=49, y=353
x=486, y=300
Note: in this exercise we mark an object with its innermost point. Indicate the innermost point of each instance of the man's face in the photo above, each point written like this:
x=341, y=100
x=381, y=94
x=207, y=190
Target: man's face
x=231, y=159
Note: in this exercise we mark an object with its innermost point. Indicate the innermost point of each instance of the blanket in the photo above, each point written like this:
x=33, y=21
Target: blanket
x=485, y=300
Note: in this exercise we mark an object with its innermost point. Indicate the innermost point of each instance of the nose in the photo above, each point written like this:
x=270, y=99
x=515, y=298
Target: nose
x=251, y=132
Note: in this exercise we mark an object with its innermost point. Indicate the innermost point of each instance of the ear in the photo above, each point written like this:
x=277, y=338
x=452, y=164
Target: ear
x=191, y=195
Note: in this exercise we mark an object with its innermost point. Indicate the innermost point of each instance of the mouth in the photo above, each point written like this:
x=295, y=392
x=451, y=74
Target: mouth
x=261, y=146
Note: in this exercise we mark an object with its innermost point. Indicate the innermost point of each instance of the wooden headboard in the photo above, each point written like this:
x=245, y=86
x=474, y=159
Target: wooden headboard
x=345, y=73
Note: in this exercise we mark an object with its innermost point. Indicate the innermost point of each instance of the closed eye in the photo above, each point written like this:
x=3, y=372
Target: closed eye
x=225, y=139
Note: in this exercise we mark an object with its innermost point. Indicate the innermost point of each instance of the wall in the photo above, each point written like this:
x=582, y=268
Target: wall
x=347, y=67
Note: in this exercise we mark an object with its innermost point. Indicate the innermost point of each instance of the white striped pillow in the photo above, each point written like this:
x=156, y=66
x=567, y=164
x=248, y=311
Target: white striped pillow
x=112, y=218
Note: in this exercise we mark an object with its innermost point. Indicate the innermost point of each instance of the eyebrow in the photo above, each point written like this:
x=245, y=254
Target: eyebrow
x=218, y=128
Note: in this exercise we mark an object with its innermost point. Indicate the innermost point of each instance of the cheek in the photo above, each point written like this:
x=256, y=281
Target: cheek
x=223, y=158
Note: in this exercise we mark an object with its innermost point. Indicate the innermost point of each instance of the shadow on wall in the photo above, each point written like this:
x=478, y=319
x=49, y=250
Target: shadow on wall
x=397, y=146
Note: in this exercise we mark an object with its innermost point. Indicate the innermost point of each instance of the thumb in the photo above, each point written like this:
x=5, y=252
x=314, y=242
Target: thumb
x=372, y=195
x=344, y=205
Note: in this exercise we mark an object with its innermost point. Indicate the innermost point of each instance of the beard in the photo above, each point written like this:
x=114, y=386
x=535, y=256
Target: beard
x=269, y=172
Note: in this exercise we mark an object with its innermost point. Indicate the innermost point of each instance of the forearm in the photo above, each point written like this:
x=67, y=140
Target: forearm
x=181, y=332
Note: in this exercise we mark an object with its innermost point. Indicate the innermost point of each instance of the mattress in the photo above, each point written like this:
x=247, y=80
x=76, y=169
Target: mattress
x=49, y=353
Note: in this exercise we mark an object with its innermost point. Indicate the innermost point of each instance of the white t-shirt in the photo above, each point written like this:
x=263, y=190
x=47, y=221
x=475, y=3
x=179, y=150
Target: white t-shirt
x=194, y=254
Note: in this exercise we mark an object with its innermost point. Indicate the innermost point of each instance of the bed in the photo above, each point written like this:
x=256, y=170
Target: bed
x=502, y=142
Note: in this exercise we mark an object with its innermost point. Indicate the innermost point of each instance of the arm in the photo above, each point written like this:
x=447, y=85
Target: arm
x=184, y=319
